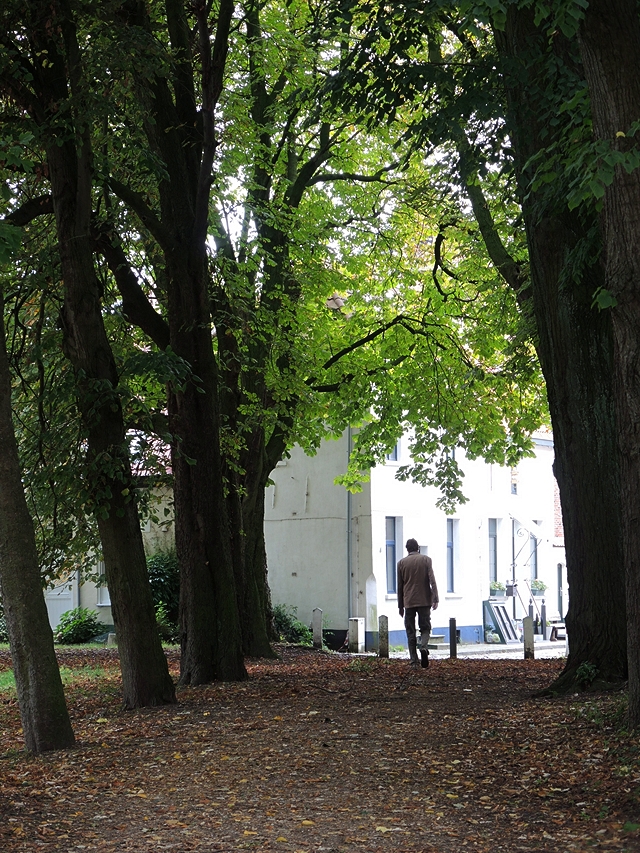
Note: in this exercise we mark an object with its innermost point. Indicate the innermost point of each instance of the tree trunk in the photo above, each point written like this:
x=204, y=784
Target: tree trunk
x=610, y=48
x=575, y=351
x=181, y=131
x=211, y=646
x=43, y=711
x=257, y=631
x=145, y=673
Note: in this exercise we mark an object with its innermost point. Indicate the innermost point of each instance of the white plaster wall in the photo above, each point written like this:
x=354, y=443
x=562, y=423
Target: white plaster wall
x=489, y=492
x=306, y=534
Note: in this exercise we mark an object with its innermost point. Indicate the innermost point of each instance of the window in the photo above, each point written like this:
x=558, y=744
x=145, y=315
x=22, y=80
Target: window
x=451, y=555
x=393, y=547
x=394, y=455
x=493, y=549
x=102, y=591
x=533, y=556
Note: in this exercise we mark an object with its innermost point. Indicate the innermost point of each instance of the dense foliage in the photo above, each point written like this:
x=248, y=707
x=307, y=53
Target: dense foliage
x=79, y=625
x=289, y=628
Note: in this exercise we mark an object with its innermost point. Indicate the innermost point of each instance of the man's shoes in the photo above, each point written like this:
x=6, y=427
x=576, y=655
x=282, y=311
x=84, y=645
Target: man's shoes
x=424, y=658
x=414, y=664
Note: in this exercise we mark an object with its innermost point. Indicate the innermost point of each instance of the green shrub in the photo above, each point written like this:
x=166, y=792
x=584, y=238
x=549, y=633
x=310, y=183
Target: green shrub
x=164, y=577
x=78, y=626
x=167, y=629
x=586, y=674
x=290, y=629
x=4, y=634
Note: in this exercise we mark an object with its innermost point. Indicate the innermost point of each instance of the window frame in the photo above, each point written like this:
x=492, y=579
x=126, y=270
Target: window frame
x=493, y=548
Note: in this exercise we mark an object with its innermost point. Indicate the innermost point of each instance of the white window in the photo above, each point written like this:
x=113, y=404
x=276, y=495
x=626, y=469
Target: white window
x=393, y=549
x=394, y=455
x=102, y=590
x=452, y=553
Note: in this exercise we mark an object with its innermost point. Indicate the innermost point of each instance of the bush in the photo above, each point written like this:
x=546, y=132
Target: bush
x=167, y=629
x=164, y=577
x=4, y=634
x=288, y=628
x=78, y=626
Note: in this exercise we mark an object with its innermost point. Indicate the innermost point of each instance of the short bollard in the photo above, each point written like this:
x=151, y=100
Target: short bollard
x=544, y=627
x=527, y=629
x=383, y=636
x=316, y=624
x=453, y=639
x=356, y=636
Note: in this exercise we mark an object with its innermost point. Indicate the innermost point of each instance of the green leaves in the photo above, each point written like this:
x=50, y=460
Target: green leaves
x=10, y=240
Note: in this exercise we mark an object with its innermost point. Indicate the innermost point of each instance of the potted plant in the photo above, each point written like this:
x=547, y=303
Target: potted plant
x=496, y=589
x=538, y=587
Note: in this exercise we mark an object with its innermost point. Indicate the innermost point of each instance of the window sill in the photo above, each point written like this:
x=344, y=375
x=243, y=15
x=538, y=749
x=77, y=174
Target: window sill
x=452, y=596
x=391, y=596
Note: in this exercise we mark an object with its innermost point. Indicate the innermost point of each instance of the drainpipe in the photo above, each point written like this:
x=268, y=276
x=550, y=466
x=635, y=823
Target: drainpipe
x=349, y=534
x=513, y=563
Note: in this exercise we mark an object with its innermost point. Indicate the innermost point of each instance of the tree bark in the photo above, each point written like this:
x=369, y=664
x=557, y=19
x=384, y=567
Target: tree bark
x=43, y=711
x=575, y=347
x=610, y=49
x=257, y=631
x=211, y=643
x=145, y=673
x=182, y=133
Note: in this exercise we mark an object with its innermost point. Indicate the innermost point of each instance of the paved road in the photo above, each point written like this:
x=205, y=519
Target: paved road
x=512, y=651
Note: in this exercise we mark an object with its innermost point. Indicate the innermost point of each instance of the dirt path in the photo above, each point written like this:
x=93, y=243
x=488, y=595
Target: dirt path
x=330, y=753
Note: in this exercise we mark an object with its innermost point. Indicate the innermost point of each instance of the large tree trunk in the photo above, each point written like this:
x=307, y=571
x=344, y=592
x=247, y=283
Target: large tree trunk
x=575, y=350
x=181, y=131
x=257, y=617
x=610, y=47
x=45, y=719
x=145, y=673
x=209, y=621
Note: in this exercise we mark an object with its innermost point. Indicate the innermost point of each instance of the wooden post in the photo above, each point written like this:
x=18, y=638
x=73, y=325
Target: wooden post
x=527, y=628
x=383, y=636
x=356, y=636
x=316, y=624
x=453, y=639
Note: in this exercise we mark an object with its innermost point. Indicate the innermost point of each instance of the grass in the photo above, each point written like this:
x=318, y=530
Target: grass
x=68, y=675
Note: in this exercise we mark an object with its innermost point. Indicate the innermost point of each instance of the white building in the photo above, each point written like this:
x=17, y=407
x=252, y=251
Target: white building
x=338, y=552
x=70, y=593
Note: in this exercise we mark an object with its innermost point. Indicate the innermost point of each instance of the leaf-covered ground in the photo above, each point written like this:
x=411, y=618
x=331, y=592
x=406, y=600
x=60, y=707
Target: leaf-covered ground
x=332, y=753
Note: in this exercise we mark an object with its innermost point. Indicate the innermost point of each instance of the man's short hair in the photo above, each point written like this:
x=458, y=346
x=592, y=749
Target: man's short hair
x=412, y=545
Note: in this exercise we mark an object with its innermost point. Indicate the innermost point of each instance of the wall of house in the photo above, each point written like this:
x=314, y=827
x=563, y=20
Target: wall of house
x=307, y=535
x=307, y=515
x=514, y=498
x=70, y=593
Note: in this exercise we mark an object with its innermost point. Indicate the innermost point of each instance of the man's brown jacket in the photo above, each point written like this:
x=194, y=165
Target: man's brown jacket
x=416, y=582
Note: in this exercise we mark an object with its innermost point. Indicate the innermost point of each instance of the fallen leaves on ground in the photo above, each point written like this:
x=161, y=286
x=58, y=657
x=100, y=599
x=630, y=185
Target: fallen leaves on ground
x=326, y=752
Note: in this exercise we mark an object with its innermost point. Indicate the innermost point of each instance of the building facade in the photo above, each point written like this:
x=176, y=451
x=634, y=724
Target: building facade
x=335, y=551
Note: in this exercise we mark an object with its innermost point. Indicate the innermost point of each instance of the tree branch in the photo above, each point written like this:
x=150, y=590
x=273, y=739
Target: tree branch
x=135, y=305
x=508, y=268
x=139, y=206
x=30, y=210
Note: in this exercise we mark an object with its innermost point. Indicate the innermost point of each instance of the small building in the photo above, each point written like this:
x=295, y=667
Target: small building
x=337, y=551
x=73, y=591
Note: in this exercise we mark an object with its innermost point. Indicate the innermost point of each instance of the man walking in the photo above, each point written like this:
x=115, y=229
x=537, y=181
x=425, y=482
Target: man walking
x=417, y=594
